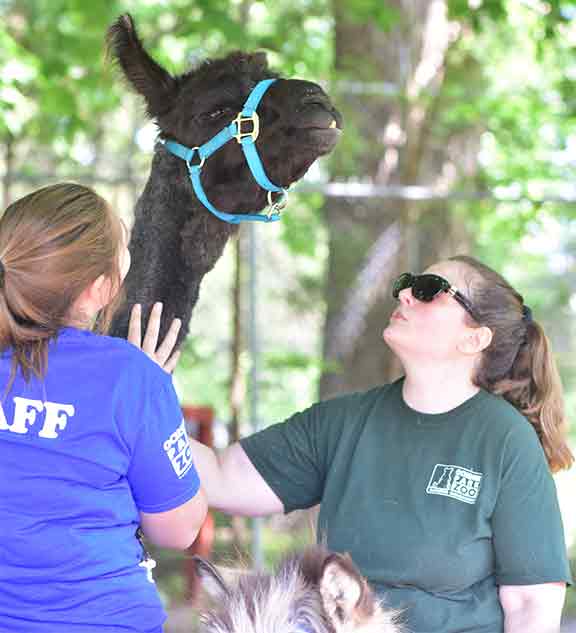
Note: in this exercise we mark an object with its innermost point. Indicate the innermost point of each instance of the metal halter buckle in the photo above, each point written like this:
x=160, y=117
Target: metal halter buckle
x=202, y=160
x=253, y=133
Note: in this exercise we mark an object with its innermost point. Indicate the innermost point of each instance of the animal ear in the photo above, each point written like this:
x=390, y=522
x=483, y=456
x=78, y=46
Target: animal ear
x=261, y=60
x=345, y=593
x=210, y=577
x=146, y=77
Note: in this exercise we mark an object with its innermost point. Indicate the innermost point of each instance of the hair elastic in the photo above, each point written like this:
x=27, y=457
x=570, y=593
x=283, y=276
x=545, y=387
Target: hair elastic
x=526, y=314
x=2, y=274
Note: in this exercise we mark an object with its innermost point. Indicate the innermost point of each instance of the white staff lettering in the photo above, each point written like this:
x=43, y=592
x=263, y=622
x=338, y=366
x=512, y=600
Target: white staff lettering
x=26, y=413
x=56, y=417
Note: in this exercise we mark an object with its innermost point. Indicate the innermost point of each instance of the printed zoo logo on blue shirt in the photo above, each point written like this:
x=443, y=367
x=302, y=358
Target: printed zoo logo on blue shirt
x=455, y=482
x=178, y=449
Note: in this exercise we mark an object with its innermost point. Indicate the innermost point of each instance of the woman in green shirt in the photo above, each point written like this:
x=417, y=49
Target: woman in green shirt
x=439, y=484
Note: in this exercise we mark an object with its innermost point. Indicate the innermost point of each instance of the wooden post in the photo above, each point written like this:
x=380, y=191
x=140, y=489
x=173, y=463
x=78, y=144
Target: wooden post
x=199, y=421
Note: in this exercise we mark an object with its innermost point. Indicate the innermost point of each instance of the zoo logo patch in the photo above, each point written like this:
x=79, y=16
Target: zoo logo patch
x=456, y=482
x=177, y=447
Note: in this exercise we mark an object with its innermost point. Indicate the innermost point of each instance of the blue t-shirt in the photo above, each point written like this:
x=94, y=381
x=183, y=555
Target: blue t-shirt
x=81, y=452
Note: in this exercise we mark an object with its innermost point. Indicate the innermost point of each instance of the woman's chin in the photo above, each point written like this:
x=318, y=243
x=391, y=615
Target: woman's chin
x=389, y=336
x=397, y=338
x=394, y=328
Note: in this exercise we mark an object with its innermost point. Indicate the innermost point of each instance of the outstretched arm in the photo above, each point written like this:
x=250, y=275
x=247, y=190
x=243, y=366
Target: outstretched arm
x=230, y=481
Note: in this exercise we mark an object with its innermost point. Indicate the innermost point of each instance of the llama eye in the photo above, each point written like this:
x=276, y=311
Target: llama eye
x=216, y=114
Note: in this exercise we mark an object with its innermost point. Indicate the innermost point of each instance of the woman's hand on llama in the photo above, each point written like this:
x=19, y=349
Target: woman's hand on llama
x=163, y=354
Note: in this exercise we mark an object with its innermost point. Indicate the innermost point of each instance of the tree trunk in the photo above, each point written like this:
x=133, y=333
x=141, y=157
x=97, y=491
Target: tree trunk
x=394, y=115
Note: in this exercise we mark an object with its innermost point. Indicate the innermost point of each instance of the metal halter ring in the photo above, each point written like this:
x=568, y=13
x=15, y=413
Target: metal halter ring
x=198, y=165
x=276, y=207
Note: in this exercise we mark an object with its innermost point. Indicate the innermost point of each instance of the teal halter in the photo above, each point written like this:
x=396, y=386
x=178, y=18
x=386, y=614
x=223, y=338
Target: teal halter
x=247, y=140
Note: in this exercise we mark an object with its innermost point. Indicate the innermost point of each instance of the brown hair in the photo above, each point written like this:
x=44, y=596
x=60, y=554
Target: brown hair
x=518, y=364
x=54, y=243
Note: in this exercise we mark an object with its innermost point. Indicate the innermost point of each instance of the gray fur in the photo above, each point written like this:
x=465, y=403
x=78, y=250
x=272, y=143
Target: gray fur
x=313, y=592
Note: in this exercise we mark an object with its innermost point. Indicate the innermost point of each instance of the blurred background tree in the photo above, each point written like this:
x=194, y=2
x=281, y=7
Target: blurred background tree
x=460, y=136
x=457, y=100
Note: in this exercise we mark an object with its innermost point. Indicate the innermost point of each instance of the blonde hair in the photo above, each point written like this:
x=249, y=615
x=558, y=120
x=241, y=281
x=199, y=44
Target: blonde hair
x=518, y=364
x=54, y=243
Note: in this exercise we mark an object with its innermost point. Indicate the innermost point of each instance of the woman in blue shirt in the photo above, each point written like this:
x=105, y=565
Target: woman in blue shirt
x=92, y=443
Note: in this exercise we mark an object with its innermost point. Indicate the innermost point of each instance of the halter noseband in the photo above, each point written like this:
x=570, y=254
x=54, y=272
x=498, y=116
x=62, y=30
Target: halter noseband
x=246, y=138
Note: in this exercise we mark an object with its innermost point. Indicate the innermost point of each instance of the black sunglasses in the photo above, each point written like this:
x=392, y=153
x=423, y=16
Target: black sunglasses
x=428, y=286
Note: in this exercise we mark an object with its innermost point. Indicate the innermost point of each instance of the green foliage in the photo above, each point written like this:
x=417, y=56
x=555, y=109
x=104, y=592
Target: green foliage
x=478, y=14
x=384, y=16
x=524, y=105
x=52, y=52
x=302, y=226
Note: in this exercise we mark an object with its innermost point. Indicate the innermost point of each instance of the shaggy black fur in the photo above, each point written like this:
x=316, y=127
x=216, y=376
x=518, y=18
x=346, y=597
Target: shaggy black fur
x=175, y=241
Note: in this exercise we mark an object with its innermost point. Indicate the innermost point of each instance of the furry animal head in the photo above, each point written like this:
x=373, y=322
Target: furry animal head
x=314, y=592
x=175, y=240
x=298, y=123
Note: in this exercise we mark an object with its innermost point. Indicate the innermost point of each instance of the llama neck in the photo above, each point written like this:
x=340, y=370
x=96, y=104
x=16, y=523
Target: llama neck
x=174, y=243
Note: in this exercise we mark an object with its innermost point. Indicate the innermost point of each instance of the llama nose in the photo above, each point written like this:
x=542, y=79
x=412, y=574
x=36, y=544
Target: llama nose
x=303, y=104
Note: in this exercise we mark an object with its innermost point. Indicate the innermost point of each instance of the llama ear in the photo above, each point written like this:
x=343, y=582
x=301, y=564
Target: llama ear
x=261, y=60
x=146, y=77
x=212, y=582
x=345, y=593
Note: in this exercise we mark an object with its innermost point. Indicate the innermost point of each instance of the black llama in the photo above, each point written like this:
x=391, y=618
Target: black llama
x=175, y=239
x=311, y=592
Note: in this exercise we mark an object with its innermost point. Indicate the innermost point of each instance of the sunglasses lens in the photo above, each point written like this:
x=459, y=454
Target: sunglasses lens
x=426, y=287
x=403, y=282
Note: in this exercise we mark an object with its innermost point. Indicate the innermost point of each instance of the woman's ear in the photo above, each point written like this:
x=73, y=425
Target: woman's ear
x=99, y=292
x=475, y=340
x=93, y=298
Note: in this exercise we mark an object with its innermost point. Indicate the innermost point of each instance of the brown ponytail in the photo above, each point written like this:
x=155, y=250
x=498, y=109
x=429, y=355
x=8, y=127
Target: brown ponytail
x=518, y=364
x=54, y=242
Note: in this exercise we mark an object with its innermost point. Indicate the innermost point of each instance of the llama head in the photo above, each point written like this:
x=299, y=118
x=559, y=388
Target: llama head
x=315, y=592
x=298, y=123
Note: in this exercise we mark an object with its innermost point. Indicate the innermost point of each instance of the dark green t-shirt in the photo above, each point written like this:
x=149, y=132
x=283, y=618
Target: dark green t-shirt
x=436, y=510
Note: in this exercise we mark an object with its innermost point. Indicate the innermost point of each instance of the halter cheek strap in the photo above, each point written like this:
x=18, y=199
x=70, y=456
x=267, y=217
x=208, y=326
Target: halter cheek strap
x=245, y=129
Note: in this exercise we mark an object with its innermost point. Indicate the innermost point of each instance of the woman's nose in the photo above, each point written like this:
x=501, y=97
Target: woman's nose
x=406, y=297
